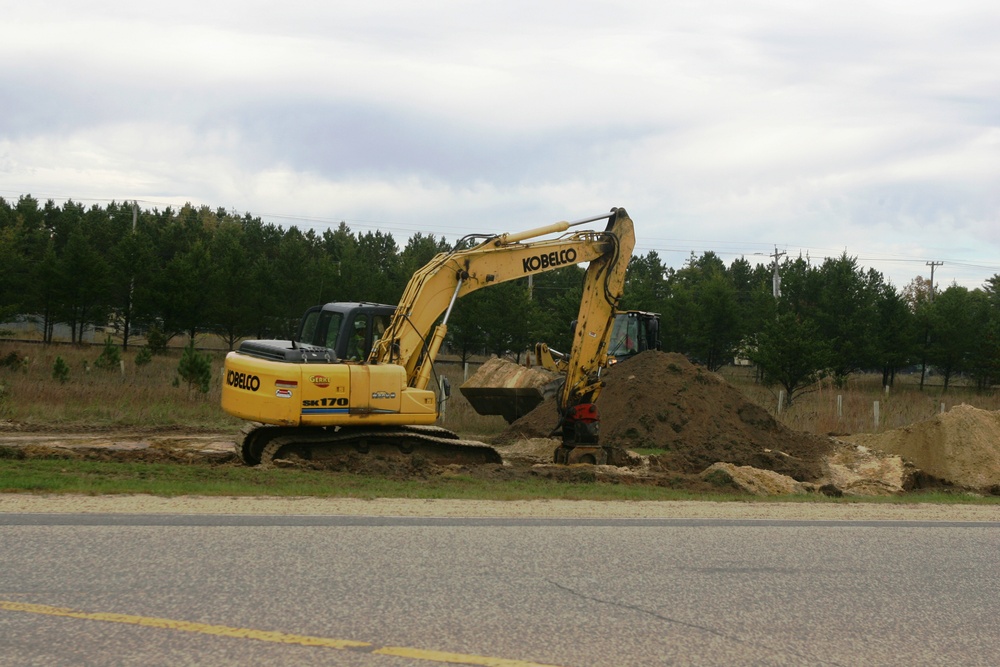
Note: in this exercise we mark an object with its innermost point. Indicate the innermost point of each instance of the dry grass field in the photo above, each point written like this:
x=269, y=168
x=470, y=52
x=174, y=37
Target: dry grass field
x=92, y=398
x=902, y=404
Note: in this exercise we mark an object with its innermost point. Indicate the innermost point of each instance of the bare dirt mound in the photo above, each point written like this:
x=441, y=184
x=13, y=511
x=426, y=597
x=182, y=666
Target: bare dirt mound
x=662, y=401
x=961, y=446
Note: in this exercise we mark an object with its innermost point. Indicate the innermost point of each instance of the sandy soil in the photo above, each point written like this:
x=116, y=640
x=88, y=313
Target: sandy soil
x=961, y=445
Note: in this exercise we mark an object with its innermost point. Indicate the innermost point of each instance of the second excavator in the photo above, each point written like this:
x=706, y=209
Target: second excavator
x=309, y=398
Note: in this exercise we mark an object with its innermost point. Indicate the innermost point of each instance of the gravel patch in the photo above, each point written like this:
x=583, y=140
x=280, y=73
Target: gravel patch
x=142, y=504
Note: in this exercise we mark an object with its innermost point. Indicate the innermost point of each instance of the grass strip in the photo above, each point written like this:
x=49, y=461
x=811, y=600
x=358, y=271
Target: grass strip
x=98, y=478
x=53, y=476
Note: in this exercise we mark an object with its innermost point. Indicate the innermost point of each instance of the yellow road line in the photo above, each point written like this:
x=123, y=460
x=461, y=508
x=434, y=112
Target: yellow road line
x=268, y=636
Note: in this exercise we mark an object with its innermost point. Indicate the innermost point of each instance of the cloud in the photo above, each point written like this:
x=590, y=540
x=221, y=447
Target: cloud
x=719, y=125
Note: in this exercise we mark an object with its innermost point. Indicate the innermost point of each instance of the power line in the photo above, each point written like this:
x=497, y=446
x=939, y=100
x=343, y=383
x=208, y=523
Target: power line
x=807, y=251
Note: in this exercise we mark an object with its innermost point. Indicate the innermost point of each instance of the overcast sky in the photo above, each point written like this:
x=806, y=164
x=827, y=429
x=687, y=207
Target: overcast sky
x=738, y=127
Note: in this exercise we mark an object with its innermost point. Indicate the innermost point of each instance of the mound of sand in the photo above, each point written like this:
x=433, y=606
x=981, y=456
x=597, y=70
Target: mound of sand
x=961, y=446
x=662, y=401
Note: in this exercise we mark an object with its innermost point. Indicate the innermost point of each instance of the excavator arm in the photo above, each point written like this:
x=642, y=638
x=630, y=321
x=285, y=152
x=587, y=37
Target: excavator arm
x=433, y=290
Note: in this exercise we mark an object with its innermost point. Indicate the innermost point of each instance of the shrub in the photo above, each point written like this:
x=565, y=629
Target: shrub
x=143, y=357
x=12, y=360
x=60, y=370
x=195, y=369
x=111, y=356
x=156, y=341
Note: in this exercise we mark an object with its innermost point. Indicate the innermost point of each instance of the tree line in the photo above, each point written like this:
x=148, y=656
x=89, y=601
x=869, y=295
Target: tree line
x=827, y=319
x=194, y=270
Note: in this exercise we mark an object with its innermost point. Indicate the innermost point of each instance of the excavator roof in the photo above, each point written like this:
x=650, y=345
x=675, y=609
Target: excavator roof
x=344, y=306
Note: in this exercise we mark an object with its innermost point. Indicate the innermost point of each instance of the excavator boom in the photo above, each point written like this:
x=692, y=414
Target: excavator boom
x=451, y=275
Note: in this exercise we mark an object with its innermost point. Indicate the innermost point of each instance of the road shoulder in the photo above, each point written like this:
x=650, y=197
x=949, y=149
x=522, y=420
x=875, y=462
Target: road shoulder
x=827, y=511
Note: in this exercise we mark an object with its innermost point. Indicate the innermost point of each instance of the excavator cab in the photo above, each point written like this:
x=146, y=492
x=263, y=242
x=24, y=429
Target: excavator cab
x=349, y=329
x=634, y=331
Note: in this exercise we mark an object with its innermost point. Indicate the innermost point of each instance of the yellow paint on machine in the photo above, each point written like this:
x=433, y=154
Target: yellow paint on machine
x=268, y=636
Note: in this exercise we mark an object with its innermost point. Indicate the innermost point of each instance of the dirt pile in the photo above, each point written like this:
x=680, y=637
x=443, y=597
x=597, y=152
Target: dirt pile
x=860, y=471
x=753, y=480
x=662, y=401
x=961, y=446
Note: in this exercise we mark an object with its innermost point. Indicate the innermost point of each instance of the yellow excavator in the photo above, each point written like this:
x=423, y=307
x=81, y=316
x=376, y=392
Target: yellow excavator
x=319, y=397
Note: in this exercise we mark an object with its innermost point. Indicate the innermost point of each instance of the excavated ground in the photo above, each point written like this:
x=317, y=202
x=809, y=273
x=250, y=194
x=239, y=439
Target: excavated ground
x=661, y=401
x=165, y=445
x=687, y=417
x=523, y=459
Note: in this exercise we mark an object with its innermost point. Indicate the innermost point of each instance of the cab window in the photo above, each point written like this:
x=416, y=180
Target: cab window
x=330, y=329
x=379, y=324
x=357, y=346
x=308, y=329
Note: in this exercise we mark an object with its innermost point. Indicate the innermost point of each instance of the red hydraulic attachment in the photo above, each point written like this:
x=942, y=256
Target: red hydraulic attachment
x=580, y=425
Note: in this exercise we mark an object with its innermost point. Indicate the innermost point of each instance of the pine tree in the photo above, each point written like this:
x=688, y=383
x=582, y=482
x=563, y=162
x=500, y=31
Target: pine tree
x=195, y=368
x=110, y=357
x=60, y=370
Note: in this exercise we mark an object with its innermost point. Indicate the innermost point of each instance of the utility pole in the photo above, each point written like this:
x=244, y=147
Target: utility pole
x=127, y=324
x=927, y=335
x=932, y=265
x=775, y=278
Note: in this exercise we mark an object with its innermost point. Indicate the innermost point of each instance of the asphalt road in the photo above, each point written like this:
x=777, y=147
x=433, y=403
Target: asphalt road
x=95, y=589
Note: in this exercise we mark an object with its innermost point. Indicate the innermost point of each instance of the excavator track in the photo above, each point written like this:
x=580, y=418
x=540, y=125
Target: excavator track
x=262, y=444
x=252, y=439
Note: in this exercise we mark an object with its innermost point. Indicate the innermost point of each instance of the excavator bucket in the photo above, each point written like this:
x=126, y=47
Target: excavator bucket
x=504, y=388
